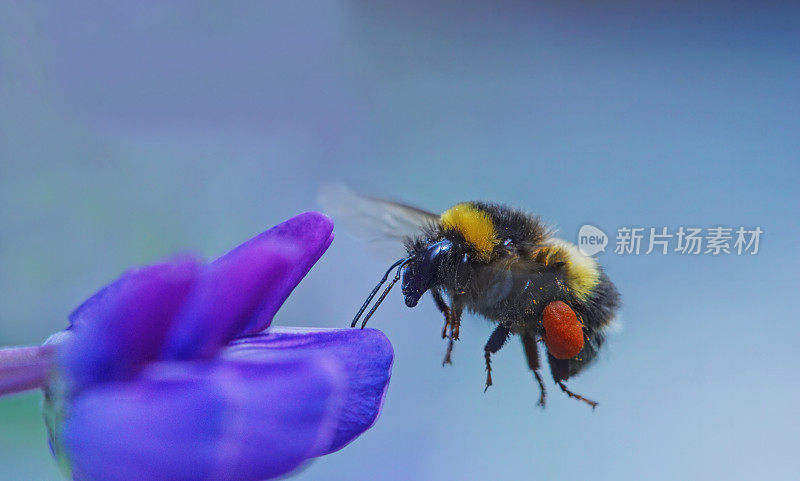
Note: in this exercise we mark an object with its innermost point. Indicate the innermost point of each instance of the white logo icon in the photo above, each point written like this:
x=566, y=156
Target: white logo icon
x=591, y=240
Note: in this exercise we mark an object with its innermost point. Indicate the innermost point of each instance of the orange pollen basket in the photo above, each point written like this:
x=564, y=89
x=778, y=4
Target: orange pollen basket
x=563, y=332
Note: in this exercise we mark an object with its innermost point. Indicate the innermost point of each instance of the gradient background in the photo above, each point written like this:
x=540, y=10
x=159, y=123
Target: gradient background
x=130, y=132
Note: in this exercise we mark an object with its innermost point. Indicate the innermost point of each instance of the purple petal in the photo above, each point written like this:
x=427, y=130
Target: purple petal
x=366, y=355
x=23, y=368
x=187, y=421
x=227, y=294
x=303, y=239
x=122, y=327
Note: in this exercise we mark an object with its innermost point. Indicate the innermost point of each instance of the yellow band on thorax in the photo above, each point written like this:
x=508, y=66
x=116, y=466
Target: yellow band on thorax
x=474, y=225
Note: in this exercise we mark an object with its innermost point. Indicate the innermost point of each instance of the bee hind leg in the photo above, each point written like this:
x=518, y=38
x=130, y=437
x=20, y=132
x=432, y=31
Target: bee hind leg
x=495, y=342
x=532, y=354
x=563, y=369
x=576, y=396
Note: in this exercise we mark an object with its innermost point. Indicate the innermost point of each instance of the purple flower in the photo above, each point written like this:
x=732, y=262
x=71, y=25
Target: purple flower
x=167, y=373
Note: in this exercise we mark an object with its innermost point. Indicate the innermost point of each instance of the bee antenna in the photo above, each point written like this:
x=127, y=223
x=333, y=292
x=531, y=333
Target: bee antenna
x=385, y=292
x=400, y=263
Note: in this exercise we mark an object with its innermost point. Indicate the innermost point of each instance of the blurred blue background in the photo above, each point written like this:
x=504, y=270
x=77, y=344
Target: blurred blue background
x=129, y=131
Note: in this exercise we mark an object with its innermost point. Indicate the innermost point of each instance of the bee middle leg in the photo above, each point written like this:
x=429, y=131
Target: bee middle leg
x=495, y=342
x=532, y=353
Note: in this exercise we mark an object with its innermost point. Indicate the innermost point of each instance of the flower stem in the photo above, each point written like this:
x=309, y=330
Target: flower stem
x=24, y=368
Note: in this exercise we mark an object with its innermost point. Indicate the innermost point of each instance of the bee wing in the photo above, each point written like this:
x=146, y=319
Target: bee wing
x=510, y=277
x=377, y=221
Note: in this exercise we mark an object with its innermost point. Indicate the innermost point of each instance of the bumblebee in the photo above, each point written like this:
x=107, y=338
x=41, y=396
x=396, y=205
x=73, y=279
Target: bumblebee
x=502, y=264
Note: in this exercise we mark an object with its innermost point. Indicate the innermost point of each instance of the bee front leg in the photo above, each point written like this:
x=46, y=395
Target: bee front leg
x=443, y=308
x=495, y=342
x=455, y=317
x=448, y=316
x=454, y=320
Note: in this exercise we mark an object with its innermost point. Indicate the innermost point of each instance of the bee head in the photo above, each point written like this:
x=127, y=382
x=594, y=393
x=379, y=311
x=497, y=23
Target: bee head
x=423, y=268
